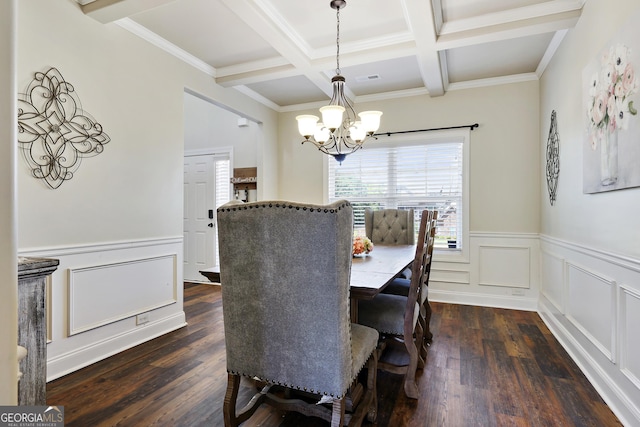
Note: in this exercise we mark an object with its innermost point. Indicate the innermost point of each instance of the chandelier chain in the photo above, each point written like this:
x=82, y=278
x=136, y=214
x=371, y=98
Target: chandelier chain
x=338, y=40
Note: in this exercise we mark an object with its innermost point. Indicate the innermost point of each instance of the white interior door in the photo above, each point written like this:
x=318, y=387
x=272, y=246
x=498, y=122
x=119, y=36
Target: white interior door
x=199, y=216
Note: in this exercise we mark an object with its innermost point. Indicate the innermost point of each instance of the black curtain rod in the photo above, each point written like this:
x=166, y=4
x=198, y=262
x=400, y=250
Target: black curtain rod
x=471, y=127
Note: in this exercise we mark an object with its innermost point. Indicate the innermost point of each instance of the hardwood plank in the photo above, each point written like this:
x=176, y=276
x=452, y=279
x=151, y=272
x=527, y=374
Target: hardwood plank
x=551, y=362
x=504, y=385
x=486, y=367
x=539, y=397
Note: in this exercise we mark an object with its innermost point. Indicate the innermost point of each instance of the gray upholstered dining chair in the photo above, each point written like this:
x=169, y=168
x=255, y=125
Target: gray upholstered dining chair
x=389, y=226
x=285, y=272
x=397, y=317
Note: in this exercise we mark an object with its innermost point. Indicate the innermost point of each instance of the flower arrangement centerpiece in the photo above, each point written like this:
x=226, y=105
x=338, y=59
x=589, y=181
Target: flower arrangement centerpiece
x=362, y=245
x=609, y=107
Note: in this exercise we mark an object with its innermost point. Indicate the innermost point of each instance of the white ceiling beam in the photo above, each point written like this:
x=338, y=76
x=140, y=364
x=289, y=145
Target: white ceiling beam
x=106, y=11
x=253, y=72
x=145, y=34
x=422, y=21
x=541, y=10
x=255, y=76
x=522, y=22
x=266, y=66
x=551, y=50
x=546, y=17
x=273, y=29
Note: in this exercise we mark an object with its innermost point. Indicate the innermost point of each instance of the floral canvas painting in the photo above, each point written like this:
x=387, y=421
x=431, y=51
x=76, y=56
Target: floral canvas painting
x=610, y=107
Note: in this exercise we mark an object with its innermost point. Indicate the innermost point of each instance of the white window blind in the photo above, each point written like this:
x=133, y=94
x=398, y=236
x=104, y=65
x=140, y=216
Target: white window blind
x=223, y=180
x=223, y=189
x=419, y=176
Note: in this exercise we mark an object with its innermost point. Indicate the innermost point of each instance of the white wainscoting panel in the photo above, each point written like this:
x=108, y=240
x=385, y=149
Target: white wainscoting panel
x=449, y=276
x=98, y=290
x=599, y=326
x=503, y=271
x=589, y=291
x=630, y=334
x=552, y=281
x=506, y=266
x=147, y=283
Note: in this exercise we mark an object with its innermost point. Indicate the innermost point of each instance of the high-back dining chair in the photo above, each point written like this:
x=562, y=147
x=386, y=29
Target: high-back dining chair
x=397, y=316
x=400, y=286
x=285, y=269
x=389, y=226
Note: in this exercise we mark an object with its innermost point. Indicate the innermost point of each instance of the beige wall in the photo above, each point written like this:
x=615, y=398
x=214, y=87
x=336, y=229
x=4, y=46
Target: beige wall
x=123, y=208
x=606, y=221
x=133, y=190
x=210, y=126
x=504, y=162
x=589, y=244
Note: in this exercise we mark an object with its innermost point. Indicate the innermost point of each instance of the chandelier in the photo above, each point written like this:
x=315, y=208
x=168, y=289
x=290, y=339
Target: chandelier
x=339, y=133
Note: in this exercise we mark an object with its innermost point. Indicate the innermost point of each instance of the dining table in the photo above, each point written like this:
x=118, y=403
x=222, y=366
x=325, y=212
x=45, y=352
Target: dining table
x=372, y=272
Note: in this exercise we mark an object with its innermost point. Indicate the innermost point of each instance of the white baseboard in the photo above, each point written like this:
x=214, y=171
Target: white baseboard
x=484, y=300
x=82, y=357
x=614, y=396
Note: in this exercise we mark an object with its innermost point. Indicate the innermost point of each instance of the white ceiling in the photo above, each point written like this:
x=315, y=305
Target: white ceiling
x=283, y=52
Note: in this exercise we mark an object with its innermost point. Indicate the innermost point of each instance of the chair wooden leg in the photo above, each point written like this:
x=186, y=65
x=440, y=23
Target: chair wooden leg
x=420, y=340
x=427, y=331
x=428, y=335
x=233, y=418
x=337, y=412
x=412, y=346
x=372, y=386
x=230, y=398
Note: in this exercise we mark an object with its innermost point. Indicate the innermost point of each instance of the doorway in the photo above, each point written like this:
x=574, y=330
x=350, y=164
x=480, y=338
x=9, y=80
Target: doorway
x=206, y=187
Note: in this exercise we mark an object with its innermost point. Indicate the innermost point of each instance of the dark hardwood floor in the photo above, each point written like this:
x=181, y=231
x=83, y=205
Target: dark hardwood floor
x=486, y=367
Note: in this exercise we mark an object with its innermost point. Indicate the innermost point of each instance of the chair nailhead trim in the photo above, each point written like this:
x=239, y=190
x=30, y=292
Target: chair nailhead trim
x=289, y=385
x=280, y=205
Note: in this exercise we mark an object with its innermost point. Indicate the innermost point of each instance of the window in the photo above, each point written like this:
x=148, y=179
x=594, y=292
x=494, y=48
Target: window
x=223, y=179
x=222, y=172
x=403, y=174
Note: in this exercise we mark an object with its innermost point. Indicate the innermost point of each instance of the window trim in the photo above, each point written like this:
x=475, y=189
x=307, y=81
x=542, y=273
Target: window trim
x=453, y=135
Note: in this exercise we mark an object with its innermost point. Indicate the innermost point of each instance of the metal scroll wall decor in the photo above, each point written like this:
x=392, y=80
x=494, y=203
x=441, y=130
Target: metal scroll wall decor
x=553, y=158
x=54, y=132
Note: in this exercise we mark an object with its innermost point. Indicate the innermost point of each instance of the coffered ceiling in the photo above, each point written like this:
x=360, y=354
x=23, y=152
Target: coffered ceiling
x=283, y=52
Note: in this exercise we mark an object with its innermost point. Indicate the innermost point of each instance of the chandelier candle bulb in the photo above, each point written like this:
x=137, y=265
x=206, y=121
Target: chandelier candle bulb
x=357, y=132
x=307, y=125
x=370, y=120
x=332, y=116
x=322, y=134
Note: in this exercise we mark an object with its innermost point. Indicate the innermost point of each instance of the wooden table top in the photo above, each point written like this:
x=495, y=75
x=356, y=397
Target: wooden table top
x=372, y=273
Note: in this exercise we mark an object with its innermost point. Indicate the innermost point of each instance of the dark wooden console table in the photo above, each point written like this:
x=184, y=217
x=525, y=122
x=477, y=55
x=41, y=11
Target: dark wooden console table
x=32, y=328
